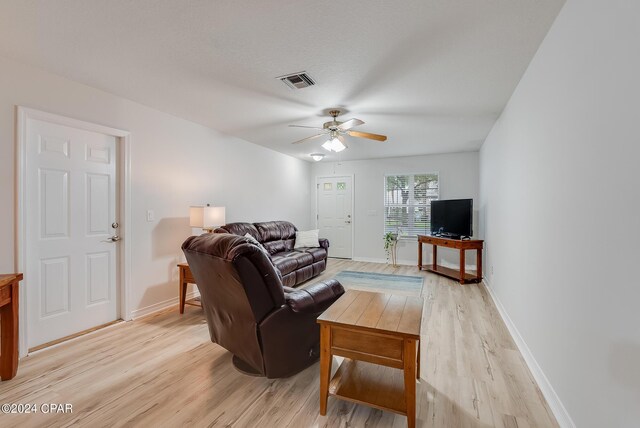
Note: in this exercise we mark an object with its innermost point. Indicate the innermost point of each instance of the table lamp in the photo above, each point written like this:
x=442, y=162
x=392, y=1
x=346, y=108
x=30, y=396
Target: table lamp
x=206, y=218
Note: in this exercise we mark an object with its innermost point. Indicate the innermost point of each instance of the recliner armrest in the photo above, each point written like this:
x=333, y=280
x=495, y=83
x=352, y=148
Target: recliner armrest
x=315, y=298
x=324, y=243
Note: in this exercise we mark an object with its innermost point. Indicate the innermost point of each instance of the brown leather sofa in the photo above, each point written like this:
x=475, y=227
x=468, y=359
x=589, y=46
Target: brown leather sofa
x=296, y=265
x=271, y=330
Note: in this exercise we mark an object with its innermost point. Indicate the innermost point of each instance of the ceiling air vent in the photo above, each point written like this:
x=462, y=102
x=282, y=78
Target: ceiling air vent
x=297, y=80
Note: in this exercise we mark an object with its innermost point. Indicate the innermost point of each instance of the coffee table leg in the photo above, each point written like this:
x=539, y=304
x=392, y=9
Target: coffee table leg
x=410, y=373
x=325, y=366
x=418, y=370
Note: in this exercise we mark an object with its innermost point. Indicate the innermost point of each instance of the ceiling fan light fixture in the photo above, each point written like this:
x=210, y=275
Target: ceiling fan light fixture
x=337, y=145
x=317, y=156
x=334, y=145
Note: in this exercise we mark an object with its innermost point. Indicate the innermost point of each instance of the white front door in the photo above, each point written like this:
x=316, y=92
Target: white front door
x=71, y=264
x=335, y=214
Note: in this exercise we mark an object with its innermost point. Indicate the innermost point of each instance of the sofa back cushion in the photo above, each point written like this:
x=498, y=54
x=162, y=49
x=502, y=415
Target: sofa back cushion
x=240, y=229
x=276, y=236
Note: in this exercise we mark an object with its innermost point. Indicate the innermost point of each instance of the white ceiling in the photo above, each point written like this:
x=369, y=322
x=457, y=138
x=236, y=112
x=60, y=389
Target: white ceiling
x=433, y=75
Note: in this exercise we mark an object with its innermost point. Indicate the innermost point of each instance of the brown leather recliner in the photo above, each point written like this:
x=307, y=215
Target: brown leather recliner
x=270, y=330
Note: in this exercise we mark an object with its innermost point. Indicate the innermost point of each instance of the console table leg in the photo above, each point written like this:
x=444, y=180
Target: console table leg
x=479, y=262
x=435, y=258
x=419, y=255
x=462, y=263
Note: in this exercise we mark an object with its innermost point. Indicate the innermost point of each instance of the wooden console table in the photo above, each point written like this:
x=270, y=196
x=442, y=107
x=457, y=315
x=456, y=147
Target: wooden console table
x=9, y=292
x=459, y=275
x=376, y=328
x=186, y=277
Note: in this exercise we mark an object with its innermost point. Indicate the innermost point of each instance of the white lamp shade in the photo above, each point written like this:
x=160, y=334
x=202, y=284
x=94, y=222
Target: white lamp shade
x=214, y=217
x=196, y=216
x=206, y=217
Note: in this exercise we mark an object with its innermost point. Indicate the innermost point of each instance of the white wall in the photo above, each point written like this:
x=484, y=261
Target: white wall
x=175, y=164
x=458, y=179
x=560, y=208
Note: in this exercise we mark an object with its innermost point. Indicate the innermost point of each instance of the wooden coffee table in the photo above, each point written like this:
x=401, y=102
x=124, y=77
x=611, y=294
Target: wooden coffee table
x=376, y=328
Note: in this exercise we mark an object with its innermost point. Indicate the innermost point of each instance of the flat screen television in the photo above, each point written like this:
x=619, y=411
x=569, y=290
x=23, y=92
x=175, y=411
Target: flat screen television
x=452, y=218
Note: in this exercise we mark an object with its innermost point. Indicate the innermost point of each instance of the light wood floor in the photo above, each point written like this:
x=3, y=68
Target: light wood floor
x=164, y=371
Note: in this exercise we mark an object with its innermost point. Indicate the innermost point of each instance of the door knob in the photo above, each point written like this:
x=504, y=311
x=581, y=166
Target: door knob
x=348, y=221
x=114, y=238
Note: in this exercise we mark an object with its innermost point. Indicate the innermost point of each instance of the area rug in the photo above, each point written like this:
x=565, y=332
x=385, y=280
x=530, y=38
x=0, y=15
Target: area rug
x=403, y=285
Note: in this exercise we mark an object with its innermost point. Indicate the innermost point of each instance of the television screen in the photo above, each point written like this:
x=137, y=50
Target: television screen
x=453, y=217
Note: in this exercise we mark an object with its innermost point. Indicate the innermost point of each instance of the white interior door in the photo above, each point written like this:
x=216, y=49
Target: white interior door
x=335, y=214
x=70, y=205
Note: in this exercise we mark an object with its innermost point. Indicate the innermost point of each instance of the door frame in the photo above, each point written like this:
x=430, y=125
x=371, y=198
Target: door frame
x=123, y=168
x=353, y=205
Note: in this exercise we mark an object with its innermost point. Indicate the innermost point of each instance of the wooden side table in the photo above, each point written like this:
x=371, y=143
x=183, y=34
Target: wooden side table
x=377, y=328
x=9, y=298
x=186, y=277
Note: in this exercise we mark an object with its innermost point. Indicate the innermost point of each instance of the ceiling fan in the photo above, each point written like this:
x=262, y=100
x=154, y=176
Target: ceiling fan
x=336, y=131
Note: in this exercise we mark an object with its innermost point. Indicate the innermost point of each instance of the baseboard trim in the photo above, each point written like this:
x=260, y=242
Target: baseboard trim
x=160, y=306
x=558, y=409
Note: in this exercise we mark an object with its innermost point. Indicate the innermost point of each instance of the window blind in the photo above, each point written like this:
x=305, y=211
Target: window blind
x=407, y=203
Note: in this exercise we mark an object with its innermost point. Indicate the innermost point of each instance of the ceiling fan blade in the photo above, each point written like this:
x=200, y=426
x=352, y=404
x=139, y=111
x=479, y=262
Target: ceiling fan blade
x=376, y=137
x=308, y=138
x=351, y=123
x=303, y=126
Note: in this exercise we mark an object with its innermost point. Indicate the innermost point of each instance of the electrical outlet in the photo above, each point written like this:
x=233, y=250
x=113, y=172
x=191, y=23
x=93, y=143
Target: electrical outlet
x=151, y=216
x=491, y=270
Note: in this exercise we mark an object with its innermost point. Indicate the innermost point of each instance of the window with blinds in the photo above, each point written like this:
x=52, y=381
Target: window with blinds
x=407, y=203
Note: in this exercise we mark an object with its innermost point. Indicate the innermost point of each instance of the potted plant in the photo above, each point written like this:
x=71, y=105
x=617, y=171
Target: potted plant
x=391, y=246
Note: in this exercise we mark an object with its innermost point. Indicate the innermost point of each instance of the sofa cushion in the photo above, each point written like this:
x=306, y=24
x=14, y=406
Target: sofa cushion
x=277, y=236
x=318, y=253
x=275, y=231
x=275, y=247
x=287, y=262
